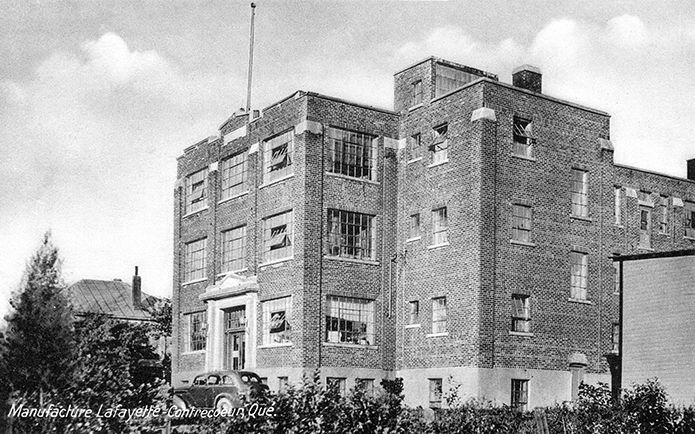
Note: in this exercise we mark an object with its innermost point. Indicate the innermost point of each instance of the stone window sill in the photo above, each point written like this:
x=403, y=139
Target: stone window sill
x=580, y=301
x=205, y=208
x=522, y=243
x=236, y=196
x=522, y=334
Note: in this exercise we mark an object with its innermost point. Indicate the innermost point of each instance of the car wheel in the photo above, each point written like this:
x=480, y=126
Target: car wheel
x=179, y=403
x=224, y=404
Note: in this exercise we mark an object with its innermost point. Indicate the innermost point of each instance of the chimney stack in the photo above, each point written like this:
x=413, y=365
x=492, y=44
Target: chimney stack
x=691, y=169
x=527, y=77
x=137, y=290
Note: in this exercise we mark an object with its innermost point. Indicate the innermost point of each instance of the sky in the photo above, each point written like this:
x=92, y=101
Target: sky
x=97, y=99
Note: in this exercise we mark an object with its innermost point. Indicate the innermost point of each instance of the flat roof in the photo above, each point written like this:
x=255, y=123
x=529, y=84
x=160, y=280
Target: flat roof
x=655, y=255
x=651, y=172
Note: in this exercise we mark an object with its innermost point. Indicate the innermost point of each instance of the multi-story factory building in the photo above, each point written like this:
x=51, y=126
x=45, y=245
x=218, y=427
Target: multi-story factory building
x=463, y=238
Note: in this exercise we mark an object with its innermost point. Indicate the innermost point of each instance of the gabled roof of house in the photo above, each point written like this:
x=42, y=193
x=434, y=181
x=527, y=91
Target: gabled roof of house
x=110, y=297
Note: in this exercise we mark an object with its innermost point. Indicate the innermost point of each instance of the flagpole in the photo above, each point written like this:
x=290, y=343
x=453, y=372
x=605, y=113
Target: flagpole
x=248, y=93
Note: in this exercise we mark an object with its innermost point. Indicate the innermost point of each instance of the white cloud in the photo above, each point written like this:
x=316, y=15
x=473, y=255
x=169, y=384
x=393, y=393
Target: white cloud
x=89, y=151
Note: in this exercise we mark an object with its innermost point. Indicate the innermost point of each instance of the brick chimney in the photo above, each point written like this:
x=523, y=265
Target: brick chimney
x=527, y=77
x=691, y=169
x=137, y=290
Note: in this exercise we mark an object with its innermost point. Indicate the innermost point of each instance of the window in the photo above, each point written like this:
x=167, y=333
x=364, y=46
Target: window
x=277, y=315
x=277, y=237
x=350, y=320
x=439, y=315
x=196, y=191
x=351, y=235
x=689, y=219
x=580, y=193
x=283, y=384
x=618, y=213
x=663, y=223
x=414, y=231
x=521, y=313
x=277, y=160
x=197, y=328
x=415, y=146
x=435, y=392
x=366, y=385
x=439, y=226
x=615, y=338
x=519, y=399
x=645, y=235
x=234, y=249
x=194, y=266
x=523, y=137
x=616, y=278
x=440, y=144
x=233, y=171
x=352, y=154
x=414, y=312
x=417, y=93
x=580, y=275
x=336, y=385
x=521, y=223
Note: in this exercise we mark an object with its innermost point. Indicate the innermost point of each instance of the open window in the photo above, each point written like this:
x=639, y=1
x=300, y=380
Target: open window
x=523, y=137
x=439, y=147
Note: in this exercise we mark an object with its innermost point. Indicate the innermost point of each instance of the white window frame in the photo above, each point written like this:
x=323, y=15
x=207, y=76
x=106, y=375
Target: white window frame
x=440, y=226
x=196, y=191
x=580, y=193
x=579, y=273
x=233, y=171
x=195, y=260
x=522, y=223
x=195, y=338
x=278, y=157
x=234, y=249
x=439, y=315
x=277, y=321
x=278, y=237
x=521, y=313
x=414, y=312
x=417, y=93
x=351, y=235
x=352, y=154
x=343, y=314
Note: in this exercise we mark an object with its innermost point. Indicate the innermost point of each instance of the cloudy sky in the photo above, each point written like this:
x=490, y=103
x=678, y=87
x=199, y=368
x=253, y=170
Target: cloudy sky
x=97, y=99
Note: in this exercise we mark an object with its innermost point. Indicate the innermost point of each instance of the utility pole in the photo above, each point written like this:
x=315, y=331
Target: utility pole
x=248, y=93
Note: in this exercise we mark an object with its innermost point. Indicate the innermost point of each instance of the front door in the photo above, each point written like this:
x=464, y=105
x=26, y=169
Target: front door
x=235, y=338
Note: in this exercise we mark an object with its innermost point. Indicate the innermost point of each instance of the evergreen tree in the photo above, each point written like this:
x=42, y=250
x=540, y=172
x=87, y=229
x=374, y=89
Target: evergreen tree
x=39, y=348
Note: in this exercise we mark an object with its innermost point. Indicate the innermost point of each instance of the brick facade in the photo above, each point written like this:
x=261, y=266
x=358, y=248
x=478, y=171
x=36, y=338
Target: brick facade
x=469, y=166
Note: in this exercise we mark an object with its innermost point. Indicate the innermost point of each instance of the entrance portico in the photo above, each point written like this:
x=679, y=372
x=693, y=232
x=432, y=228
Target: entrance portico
x=231, y=314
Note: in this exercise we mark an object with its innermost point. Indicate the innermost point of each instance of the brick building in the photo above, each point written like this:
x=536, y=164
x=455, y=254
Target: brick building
x=463, y=238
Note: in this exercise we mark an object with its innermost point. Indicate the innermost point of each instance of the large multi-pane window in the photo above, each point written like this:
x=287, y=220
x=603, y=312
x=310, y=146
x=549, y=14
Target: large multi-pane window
x=523, y=137
x=439, y=315
x=417, y=93
x=580, y=193
x=233, y=172
x=440, y=226
x=277, y=317
x=277, y=156
x=196, y=191
x=234, y=249
x=689, y=212
x=197, y=328
x=350, y=320
x=277, y=237
x=351, y=234
x=435, y=392
x=618, y=208
x=194, y=260
x=519, y=399
x=351, y=154
x=521, y=223
x=521, y=313
x=440, y=145
x=580, y=275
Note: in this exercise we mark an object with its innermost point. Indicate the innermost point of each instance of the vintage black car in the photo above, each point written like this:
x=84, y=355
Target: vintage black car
x=220, y=390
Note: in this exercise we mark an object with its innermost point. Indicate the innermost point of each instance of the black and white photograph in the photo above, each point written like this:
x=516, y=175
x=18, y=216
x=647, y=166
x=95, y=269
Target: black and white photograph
x=338, y=216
